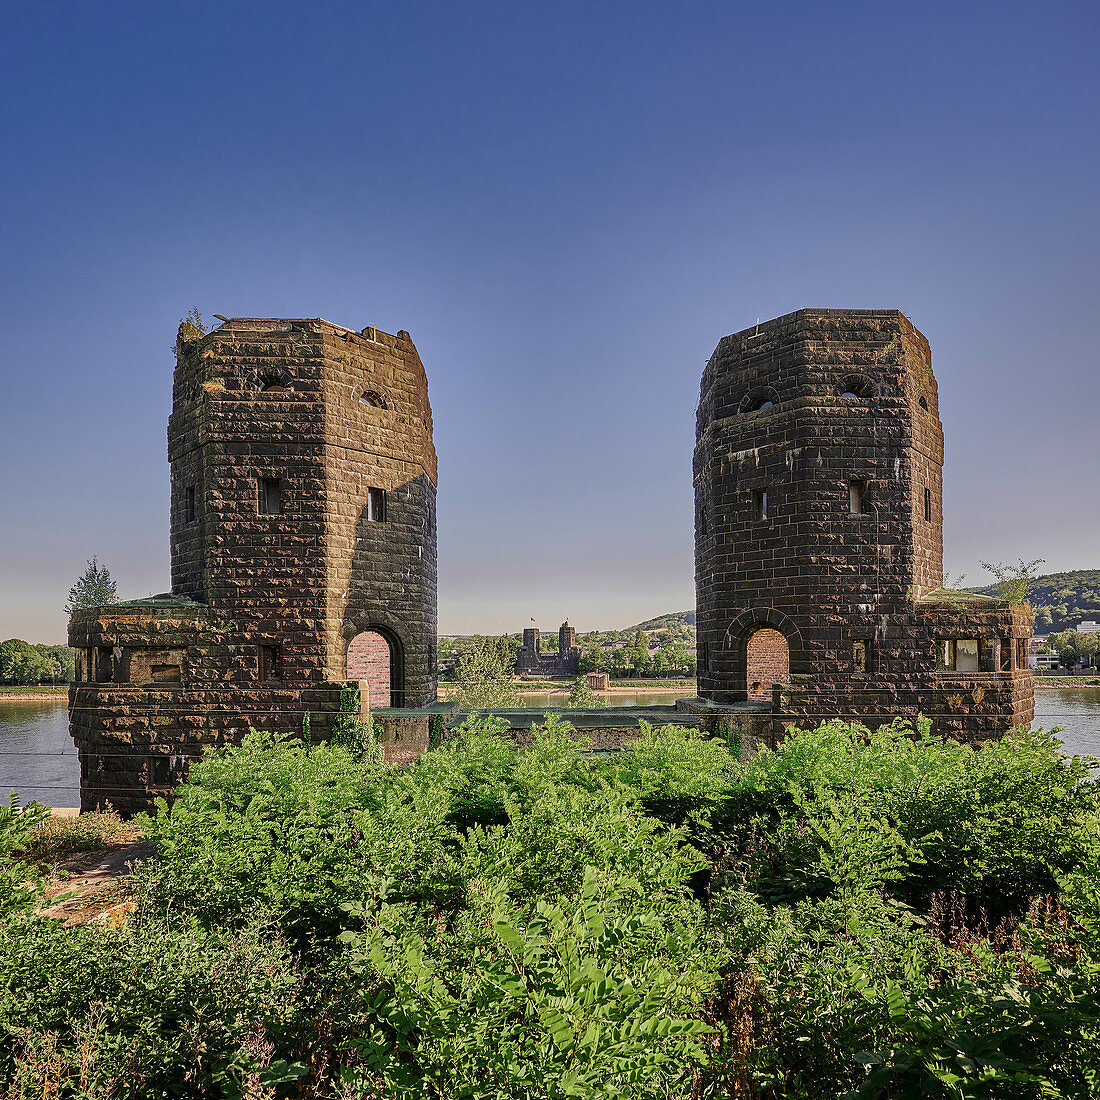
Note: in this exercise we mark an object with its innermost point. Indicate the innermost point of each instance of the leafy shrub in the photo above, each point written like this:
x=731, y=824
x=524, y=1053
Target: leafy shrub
x=20, y=883
x=154, y=1012
x=872, y=914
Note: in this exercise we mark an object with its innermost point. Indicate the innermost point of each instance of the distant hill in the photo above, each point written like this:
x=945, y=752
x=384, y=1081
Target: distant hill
x=1060, y=600
x=675, y=620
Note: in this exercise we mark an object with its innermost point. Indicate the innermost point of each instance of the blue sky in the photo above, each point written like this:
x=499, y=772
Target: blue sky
x=567, y=206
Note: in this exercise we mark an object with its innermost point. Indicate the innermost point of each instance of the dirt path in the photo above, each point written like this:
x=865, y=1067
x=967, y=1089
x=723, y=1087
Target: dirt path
x=96, y=884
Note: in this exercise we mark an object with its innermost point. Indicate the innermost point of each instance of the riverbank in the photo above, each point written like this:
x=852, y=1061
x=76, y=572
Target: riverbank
x=1067, y=681
x=22, y=695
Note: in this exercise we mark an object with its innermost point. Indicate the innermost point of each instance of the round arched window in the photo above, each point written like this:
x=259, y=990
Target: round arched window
x=855, y=388
x=373, y=399
x=273, y=382
x=756, y=402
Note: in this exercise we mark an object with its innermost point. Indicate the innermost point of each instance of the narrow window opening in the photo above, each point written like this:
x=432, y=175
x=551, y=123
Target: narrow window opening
x=165, y=674
x=759, y=504
x=104, y=664
x=89, y=665
x=1006, y=654
x=703, y=521
x=189, y=508
x=923, y=403
x=701, y=652
x=271, y=496
x=271, y=662
x=958, y=655
x=376, y=505
x=857, y=492
x=373, y=399
x=928, y=504
x=1021, y=653
x=860, y=653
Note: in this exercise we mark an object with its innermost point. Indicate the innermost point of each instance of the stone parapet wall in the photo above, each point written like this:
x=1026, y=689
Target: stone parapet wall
x=137, y=743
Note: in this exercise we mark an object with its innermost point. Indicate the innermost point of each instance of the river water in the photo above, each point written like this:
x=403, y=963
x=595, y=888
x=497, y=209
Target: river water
x=38, y=760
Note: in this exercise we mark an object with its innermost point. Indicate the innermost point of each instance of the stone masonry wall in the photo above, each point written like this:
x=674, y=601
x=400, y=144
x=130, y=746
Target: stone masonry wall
x=819, y=515
x=382, y=572
x=281, y=553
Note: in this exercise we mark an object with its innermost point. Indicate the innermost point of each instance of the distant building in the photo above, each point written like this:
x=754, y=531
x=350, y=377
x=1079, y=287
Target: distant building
x=1089, y=626
x=563, y=663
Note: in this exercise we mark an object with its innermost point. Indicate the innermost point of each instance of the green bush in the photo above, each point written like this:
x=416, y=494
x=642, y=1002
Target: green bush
x=872, y=914
x=20, y=883
x=168, y=1011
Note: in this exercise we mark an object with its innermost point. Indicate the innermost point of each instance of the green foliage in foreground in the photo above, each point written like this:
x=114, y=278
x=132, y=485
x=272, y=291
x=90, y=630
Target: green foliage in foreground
x=853, y=915
x=20, y=884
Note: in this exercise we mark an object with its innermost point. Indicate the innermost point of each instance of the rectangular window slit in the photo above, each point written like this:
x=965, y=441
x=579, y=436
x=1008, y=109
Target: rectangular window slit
x=759, y=504
x=270, y=663
x=928, y=504
x=857, y=491
x=376, y=505
x=104, y=664
x=271, y=496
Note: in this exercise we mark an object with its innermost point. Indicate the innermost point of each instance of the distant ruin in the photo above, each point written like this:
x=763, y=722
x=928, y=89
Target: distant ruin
x=819, y=535
x=531, y=659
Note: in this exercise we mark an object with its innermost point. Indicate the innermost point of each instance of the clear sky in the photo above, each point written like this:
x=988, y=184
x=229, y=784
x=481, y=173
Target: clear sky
x=567, y=206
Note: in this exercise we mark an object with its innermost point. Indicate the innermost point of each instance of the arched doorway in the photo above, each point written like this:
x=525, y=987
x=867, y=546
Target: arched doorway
x=767, y=662
x=376, y=658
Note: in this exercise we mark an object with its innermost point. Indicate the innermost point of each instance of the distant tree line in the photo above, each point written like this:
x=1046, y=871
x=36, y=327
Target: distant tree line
x=1073, y=648
x=23, y=663
x=671, y=657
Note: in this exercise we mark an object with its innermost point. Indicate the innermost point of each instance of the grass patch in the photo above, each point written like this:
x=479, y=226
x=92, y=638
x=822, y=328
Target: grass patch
x=60, y=836
x=34, y=689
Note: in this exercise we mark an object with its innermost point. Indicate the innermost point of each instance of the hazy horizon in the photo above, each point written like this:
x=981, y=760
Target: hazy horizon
x=567, y=206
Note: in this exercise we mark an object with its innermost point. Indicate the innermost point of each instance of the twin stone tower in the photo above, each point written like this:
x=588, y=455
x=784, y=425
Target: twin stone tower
x=303, y=546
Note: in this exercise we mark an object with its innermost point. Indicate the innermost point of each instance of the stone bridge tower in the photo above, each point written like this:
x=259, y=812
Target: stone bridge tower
x=303, y=496
x=819, y=535
x=303, y=550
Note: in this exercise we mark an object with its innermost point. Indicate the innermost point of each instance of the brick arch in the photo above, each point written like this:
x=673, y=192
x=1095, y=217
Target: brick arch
x=755, y=398
x=766, y=647
x=375, y=654
x=767, y=662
